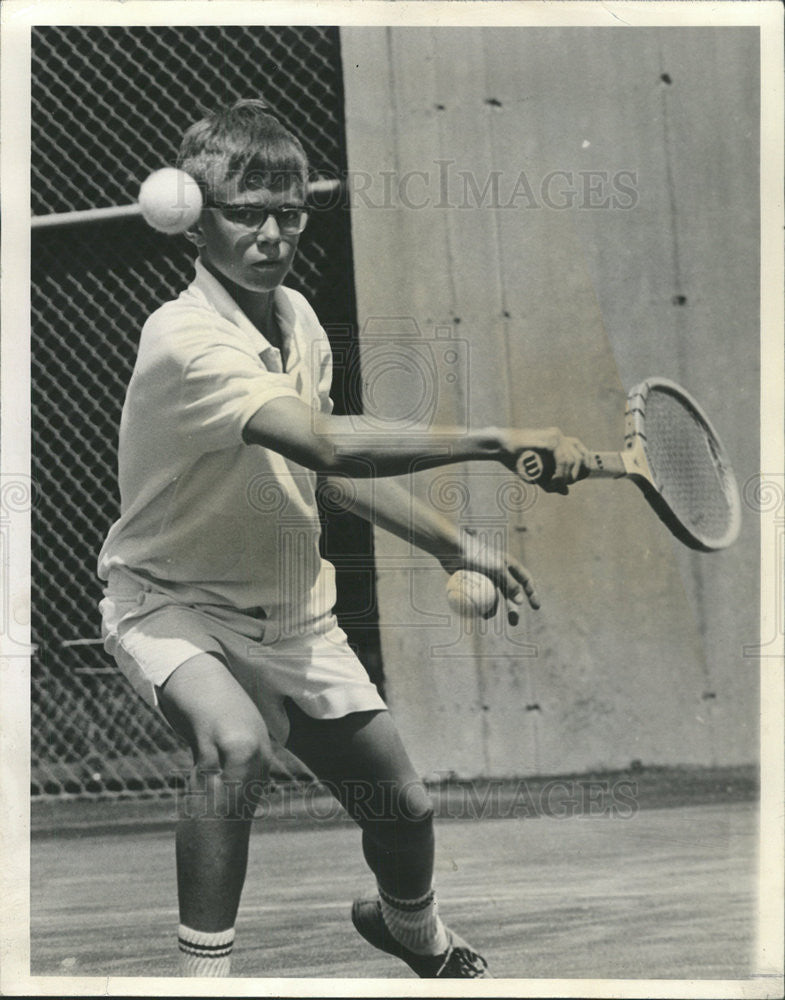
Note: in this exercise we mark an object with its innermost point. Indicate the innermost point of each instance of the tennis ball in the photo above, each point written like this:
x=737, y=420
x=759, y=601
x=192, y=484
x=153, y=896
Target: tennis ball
x=472, y=594
x=170, y=200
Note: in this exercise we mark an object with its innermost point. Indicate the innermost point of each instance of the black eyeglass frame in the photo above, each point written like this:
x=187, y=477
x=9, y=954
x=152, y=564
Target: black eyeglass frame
x=263, y=213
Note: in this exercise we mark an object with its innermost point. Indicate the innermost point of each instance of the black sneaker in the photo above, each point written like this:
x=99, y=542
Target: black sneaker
x=458, y=962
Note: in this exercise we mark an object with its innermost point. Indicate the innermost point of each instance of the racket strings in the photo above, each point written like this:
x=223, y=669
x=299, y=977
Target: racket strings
x=687, y=466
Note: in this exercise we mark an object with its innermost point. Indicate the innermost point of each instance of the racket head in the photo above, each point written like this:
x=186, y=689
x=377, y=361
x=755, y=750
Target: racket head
x=687, y=476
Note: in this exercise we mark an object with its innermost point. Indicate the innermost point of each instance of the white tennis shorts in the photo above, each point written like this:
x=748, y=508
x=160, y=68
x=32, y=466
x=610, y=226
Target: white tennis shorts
x=150, y=635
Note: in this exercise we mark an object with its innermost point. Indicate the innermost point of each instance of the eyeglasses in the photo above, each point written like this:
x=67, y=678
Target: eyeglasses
x=290, y=219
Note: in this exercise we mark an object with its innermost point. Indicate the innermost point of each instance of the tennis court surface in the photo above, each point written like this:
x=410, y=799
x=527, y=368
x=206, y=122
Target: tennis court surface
x=664, y=893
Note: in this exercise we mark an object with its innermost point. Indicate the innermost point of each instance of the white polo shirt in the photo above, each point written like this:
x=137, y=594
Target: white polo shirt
x=210, y=518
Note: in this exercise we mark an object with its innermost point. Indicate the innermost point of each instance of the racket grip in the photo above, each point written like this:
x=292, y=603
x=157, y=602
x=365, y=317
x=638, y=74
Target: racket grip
x=534, y=466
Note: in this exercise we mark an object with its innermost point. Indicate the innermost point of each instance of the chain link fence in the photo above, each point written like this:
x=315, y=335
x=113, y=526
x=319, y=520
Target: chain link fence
x=109, y=106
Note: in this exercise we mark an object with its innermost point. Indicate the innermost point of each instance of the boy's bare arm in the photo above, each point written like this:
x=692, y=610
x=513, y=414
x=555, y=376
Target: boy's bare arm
x=390, y=506
x=336, y=445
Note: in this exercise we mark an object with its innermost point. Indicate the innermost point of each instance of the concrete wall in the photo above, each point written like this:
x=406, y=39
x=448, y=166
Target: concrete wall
x=542, y=217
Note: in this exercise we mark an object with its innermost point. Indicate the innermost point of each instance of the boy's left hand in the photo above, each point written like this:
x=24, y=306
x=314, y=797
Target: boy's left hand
x=511, y=577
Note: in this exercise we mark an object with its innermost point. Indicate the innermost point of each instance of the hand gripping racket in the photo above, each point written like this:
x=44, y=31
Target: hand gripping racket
x=672, y=453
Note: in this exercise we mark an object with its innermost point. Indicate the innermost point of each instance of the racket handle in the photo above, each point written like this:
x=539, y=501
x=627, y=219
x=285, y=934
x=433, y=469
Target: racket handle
x=534, y=466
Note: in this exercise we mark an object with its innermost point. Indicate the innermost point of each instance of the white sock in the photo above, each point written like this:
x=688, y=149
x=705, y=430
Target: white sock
x=414, y=923
x=205, y=953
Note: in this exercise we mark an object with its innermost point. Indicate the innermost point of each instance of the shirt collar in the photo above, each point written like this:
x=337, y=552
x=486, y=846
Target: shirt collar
x=210, y=288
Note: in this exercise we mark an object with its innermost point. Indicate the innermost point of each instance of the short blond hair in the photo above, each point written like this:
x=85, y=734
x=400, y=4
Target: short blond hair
x=244, y=144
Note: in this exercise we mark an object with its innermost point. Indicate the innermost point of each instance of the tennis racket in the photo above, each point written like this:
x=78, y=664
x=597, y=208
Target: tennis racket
x=672, y=453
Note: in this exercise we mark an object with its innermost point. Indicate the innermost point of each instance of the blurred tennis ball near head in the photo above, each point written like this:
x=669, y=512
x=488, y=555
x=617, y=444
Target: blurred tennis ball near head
x=472, y=595
x=170, y=200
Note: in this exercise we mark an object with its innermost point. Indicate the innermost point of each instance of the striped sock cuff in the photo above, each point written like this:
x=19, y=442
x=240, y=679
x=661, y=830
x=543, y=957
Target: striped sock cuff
x=415, y=923
x=408, y=905
x=205, y=944
x=204, y=953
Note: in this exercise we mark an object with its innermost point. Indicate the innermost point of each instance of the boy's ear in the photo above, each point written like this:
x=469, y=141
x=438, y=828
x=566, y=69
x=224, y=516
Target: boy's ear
x=195, y=235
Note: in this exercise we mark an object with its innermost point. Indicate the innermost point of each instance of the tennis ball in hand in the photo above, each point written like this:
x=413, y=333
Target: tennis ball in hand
x=170, y=200
x=472, y=594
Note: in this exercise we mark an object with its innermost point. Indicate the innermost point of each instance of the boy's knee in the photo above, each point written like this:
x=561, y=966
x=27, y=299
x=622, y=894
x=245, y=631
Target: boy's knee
x=415, y=805
x=238, y=753
x=409, y=825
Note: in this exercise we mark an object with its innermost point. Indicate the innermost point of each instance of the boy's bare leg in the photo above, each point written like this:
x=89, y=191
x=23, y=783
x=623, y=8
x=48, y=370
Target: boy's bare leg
x=363, y=761
x=231, y=751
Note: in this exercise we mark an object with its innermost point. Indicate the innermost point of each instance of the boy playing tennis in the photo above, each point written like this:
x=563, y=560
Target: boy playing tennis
x=218, y=606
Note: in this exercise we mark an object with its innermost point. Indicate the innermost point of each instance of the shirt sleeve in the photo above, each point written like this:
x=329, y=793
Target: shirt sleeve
x=208, y=382
x=222, y=388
